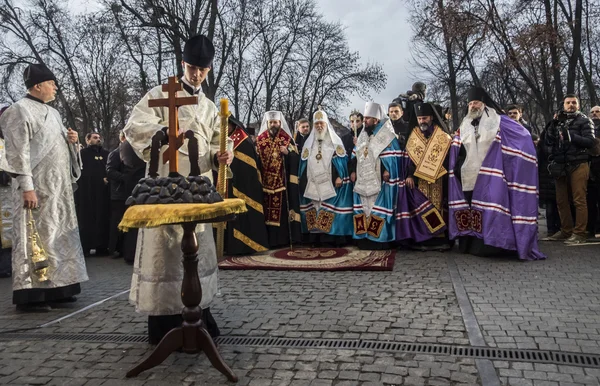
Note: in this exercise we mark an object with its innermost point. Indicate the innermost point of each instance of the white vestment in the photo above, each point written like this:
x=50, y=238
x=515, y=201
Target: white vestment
x=368, y=165
x=39, y=155
x=158, y=271
x=477, y=143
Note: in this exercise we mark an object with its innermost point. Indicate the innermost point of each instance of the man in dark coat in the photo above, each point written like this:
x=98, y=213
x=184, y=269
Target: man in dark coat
x=134, y=169
x=247, y=233
x=569, y=138
x=301, y=133
x=395, y=113
x=516, y=113
x=547, y=189
x=93, y=197
x=118, y=196
x=593, y=192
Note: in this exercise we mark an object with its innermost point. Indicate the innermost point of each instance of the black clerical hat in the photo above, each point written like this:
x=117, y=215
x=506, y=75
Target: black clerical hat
x=236, y=122
x=477, y=93
x=424, y=110
x=199, y=51
x=37, y=73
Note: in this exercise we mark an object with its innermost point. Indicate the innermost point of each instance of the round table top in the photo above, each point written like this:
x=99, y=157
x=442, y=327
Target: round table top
x=155, y=215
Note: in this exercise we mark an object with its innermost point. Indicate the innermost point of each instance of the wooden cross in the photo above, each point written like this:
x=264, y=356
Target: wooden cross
x=173, y=102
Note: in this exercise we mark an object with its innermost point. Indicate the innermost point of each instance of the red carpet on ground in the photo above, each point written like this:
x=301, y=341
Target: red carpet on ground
x=314, y=259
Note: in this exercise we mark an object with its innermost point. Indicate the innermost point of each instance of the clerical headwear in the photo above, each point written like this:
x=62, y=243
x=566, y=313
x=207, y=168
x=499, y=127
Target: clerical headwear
x=320, y=116
x=236, y=122
x=374, y=110
x=477, y=93
x=274, y=116
x=199, y=51
x=36, y=74
x=424, y=110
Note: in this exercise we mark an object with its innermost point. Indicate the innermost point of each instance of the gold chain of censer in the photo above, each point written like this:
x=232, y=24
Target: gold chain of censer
x=39, y=257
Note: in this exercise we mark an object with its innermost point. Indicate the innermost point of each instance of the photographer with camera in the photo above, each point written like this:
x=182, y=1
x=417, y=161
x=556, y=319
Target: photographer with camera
x=412, y=97
x=568, y=137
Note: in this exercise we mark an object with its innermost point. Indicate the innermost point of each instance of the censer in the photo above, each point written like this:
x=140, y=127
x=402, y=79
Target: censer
x=39, y=257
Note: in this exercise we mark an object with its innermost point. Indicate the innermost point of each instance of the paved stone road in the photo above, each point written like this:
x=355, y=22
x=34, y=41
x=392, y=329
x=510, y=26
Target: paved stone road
x=550, y=304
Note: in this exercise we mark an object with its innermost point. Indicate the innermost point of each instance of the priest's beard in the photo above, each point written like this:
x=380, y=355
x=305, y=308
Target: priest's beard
x=424, y=127
x=474, y=113
x=273, y=131
x=321, y=135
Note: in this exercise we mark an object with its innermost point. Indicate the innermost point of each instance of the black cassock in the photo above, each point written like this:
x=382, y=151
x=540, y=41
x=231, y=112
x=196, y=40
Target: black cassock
x=247, y=233
x=93, y=200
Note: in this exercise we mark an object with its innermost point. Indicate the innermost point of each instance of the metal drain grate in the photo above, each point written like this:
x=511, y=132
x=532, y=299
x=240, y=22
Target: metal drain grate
x=514, y=355
x=95, y=338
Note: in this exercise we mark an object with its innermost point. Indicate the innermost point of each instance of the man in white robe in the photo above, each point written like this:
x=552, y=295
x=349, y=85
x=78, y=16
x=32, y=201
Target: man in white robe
x=158, y=272
x=42, y=156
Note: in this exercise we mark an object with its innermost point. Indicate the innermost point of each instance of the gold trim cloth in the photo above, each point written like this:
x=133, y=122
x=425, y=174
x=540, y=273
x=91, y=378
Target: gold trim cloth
x=429, y=154
x=152, y=216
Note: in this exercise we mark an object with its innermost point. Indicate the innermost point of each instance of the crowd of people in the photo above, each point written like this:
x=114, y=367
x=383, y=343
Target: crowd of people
x=399, y=177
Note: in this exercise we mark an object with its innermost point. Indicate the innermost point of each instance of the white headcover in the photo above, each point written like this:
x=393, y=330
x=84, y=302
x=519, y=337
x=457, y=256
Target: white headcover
x=321, y=116
x=374, y=110
x=274, y=116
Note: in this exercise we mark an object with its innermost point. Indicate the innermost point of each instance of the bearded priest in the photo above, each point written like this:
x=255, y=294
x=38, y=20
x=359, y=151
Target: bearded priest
x=325, y=188
x=423, y=192
x=279, y=169
x=493, y=183
x=375, y=169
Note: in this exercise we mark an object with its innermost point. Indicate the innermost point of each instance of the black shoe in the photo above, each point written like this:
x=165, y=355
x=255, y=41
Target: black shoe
x=34, y=307
x=102, y=252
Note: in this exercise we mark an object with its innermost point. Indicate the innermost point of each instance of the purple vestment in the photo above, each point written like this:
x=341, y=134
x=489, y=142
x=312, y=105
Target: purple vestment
x=504, y=207
x=412, y=205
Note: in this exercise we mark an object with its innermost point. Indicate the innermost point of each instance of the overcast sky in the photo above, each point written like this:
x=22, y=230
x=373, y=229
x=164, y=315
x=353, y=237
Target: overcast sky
x=379, y=30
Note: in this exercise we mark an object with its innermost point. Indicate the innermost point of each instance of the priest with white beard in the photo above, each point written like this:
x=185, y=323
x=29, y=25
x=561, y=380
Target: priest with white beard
x=157, y=271
x=493, y=183
x=325, y=187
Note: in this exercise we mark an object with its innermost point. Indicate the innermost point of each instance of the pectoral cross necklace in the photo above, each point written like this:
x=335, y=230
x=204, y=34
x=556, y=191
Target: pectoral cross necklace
x=319, y=155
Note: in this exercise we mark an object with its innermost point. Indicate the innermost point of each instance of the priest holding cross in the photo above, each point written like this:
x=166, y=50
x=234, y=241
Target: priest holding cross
x=157, y=275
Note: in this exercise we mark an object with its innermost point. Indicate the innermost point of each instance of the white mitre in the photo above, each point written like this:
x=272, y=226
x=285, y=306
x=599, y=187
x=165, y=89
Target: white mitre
x=274, y=116
x=374, y=110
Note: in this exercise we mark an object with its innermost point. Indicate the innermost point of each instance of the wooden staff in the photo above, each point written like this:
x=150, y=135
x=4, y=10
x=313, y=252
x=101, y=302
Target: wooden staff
x=222, y=176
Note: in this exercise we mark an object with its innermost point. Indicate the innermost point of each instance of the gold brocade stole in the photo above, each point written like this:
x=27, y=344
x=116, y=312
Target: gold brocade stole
x=429, y=154
x=273, y=177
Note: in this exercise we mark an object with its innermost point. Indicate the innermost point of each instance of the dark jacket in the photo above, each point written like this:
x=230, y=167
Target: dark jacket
x=300, y=139
x=595, y=161
x=547, y=182
x=568, y=138
x=116, y=177
x=134, y=167
x=526, y=125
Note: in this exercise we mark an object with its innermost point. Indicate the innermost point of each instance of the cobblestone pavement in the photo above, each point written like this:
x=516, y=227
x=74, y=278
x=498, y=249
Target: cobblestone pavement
x=548, y=305
x=107, y=277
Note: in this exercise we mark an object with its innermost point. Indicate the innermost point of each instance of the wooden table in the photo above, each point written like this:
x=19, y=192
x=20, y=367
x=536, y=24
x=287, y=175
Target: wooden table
x=192, y=337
